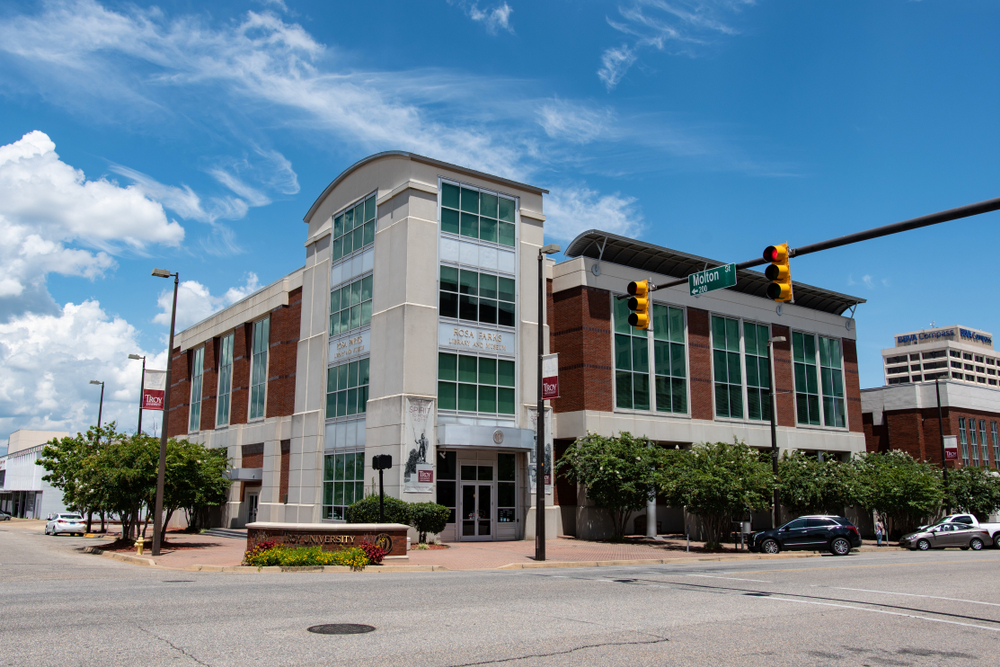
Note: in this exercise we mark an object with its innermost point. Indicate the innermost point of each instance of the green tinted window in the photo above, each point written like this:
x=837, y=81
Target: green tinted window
x=475, y=384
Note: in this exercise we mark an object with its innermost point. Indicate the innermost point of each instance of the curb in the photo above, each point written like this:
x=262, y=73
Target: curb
x=135, y=560
x=250, y=569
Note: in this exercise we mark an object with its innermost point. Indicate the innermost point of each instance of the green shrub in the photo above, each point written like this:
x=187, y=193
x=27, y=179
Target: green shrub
x=366, y=511
x=355, y=557
x=428, y=518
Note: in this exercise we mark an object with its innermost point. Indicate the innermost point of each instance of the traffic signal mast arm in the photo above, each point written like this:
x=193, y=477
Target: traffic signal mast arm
x=966, y=211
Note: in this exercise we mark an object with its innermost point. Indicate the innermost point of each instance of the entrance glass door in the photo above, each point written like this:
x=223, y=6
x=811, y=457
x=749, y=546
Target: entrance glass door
x=477, y=503
x=252, y=500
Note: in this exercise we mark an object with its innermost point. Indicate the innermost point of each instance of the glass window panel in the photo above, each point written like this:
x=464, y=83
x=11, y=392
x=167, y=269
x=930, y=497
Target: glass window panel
x=338, y=493
x=470, y=200
x=488, y=230
x=467, y=397
x=328, y=493
x=488, y=286
x=447, y=465
x=469, y=473
x=735, y=376
x=718, y=333
x=721, y=400
x=449, y=195
x=470, y=225
x=348, y=220
x=446, y=396
x=506, y=289
x=366, y=288
x=342, y=403
x=677, y=368
x=338, y=249
x=352, y=374
x=733, y=335
x=720, y=359
x=623, y=389
x=798, y=348
x=345, y=320
x=331, y=379
x=487, y=205
x=487, y=399
x=485, y=473
x=488, y=311
x=506, y=209
x=352, y=401
x=736, y=401
x=680, y=395
x=506, y=469
x=342, y=376
x=753, y=403
x=469, y=282
x=505, y=233
x=640, y=386
x=467, y=371
x=348, y=240
x=487, y=370
x=366, y=313
x=449, y=304
x=449, y=221
x=335, y=301
x=753, y=377
x=359, y=237
x=623, y=352
x=363, y=371
x=505, y=373
x=338, y=469
x=338, y=225
x=676, y=325
x=369, y=233
x=505, y=401
x=449, y=278
x=355, y=317
x=447, y=366
x=640, y=355
x=664, y=400
x=468, y=308
x=661, y=357
x=750, y=338
x=505, y=314
x=370, y=208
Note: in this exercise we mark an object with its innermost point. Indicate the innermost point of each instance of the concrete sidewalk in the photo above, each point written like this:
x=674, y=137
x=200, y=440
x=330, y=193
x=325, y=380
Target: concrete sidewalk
x=210, y=553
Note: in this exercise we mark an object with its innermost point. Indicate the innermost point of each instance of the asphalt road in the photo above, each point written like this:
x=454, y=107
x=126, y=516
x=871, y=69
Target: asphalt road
x=61, y=607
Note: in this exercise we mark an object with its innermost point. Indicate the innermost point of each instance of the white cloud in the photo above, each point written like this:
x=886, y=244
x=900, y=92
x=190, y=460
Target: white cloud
x=47, y=362
x=575, y=122
x=572, y=210
x=494, y=19
x=868, y=281
x=195, y=301
x=46, y=206
x=675, y=25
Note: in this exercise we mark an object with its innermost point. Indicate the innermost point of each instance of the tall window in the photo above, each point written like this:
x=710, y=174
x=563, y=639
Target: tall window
x=806, y=383
x=354, y=229
x=475, y=384
x=351, y=306
x=996, y=444
x=984, y=444
x=833, y=382
x=758, y=371
x=506, y=488
x=726, y=363
x=225, y=380
x=258, y=367
x=668, y=359
x=631, y=361
x=447, y=467
x=197, y=373
x=973, y=445
x=347, y=389
x=963, y=439
x=343, y=483
x=477, y=297
x=477, y=214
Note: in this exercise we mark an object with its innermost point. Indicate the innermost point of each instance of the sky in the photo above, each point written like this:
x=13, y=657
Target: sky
x=195, y=136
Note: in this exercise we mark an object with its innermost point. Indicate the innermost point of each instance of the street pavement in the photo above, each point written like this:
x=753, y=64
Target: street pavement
x=63, y=607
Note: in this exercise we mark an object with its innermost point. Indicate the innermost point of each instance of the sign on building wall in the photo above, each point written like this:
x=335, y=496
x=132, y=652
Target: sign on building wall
x=154, y=387
x=532, y=455
x=350, y=346
x=476, y=339
x=951, y=447
x=418, y=427
x=550, y=376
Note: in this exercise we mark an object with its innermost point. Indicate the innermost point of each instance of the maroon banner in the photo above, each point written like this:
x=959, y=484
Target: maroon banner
x=550, y=376
x=154, y=389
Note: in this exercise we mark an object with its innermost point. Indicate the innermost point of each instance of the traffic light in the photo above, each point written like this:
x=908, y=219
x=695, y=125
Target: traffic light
x=778, y=273
x=638, y=303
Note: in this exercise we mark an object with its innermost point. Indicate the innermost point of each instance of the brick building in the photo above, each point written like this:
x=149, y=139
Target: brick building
x=411, y=331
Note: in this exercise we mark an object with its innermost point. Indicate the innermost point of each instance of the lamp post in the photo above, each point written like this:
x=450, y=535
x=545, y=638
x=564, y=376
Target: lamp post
x=774, y=427
x=142, y=387
x=100, y=408
x=550, y=249
x=161, y=470
x=944, y=455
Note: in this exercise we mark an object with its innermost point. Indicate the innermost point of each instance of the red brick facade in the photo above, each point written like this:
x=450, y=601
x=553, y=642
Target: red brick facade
x=700, y=364
x=282, y=352
x=916, y=432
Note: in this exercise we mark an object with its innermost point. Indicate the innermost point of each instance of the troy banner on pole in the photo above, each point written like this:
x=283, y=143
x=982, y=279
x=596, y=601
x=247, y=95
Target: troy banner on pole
x=951, y=447
x=550, y=376
x=153, y=390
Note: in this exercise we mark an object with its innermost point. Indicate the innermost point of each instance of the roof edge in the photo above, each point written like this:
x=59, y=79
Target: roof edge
x=416, y=158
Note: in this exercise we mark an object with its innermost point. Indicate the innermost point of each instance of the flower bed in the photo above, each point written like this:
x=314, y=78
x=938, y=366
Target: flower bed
x=269, y=553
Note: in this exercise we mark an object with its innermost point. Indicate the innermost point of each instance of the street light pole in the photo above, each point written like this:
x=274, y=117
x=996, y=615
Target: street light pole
x=944, y=459
x=776, y=512
x=100, y=408
x=142, y=388
x=161, y=470
x=540, y=411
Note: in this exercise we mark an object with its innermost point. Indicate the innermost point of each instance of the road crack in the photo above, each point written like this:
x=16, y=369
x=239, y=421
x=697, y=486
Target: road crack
x=172, y=645
x=570, y=650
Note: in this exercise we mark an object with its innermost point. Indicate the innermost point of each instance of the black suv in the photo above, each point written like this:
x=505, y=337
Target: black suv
x=833, y=533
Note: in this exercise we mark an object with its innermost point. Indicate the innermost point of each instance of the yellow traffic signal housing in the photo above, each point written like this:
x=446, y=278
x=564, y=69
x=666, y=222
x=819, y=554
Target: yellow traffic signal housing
x=779, y=273
x=638, y=303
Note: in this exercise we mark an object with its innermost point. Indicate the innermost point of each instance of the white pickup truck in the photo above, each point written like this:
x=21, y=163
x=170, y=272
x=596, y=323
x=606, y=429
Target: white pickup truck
x=968, y=519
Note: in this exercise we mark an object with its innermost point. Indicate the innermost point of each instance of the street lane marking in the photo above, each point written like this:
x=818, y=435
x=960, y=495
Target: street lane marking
x=879, y=611
x=709, y=576
x=912, y=595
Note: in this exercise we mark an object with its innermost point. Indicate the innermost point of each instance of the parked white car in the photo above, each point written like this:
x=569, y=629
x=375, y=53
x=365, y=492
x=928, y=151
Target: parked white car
x=992, y=528
x=66, y=523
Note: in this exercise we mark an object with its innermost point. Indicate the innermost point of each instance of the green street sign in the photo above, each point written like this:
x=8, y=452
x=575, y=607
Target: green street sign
x=712, y=279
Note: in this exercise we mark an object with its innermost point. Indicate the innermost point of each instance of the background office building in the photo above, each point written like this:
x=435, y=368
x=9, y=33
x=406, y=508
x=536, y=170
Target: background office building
x=23, y=492
x=955, y=353
x=411, y=331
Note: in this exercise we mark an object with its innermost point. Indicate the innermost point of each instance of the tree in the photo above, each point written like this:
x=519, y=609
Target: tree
x=619, y=473
x=718, y=481
x=366, y=510
x=810, y=486
x=428, y=518
x=973, y=490
x=904, y=490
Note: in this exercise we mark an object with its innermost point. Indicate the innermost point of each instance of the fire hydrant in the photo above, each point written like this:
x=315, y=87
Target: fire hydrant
x=138, y=545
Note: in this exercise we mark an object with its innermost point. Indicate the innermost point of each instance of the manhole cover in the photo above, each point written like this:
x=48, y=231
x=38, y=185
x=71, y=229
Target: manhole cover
x=341, y=629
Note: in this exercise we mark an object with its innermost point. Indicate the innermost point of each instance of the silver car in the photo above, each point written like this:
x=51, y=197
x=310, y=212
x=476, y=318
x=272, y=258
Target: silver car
x=66, y=523
x=945, y=535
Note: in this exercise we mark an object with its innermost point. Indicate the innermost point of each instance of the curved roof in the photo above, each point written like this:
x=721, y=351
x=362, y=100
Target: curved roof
x=417, y=158
x=643, y=256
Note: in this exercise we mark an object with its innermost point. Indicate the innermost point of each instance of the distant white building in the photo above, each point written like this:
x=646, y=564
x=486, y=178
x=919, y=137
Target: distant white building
x=943, y=353
x=23, y=492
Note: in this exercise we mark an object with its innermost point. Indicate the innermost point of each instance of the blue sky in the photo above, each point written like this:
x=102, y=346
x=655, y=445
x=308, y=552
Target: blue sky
x=194, y=137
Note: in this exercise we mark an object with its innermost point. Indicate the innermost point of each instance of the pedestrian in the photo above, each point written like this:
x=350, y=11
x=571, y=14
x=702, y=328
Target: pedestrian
x=879, y=532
